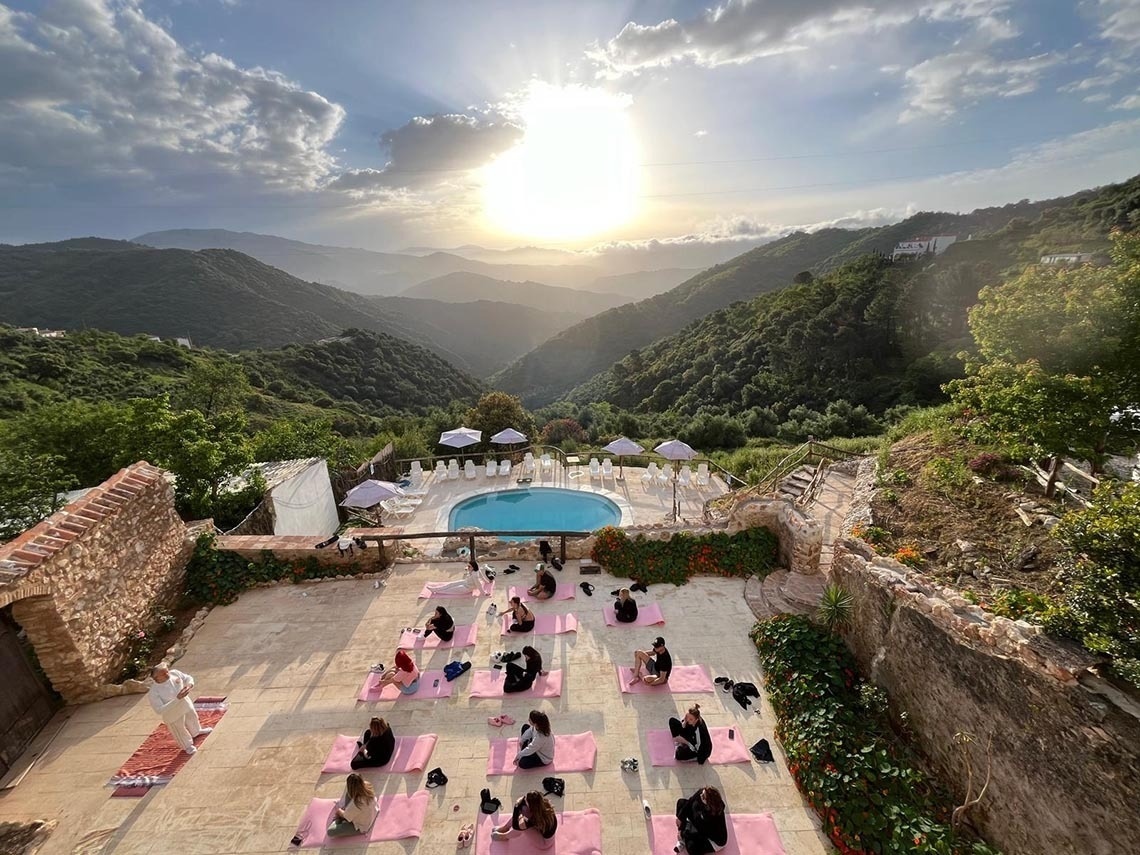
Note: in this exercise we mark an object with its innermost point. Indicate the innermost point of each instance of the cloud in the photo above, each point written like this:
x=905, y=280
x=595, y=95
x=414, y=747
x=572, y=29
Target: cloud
x=1095, y=82
x=1120, y=23
x=1131, y=102
x=1097, y=98
x=97, y=91
x=741, y=31
x=940, y=86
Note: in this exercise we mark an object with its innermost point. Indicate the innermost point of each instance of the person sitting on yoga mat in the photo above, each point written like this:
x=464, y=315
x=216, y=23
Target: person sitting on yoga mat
x=656, y=662
x=475, y=579
x=376, y=746
x=355, y=810
x=691, y=739
x=522, y=616
x=625, y=608
x=405, y=676
x=544, y=583
x=441, y=623
x=532, y=812
x=701, y=824
x=519, y=679
x=536, y=742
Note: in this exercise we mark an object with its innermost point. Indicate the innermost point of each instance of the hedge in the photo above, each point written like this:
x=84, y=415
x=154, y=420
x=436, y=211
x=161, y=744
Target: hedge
x=750, y=552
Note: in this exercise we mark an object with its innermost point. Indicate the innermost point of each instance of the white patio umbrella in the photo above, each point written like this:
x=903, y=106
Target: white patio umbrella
x=508, y=436
x=461, y=437
x=369, y=493
x=674, y=449
x=621, y=446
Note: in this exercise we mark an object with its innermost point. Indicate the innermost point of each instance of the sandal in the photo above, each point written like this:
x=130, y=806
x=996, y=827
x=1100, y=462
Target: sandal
x=506, y=719
x=466, y=835
x=496, y=721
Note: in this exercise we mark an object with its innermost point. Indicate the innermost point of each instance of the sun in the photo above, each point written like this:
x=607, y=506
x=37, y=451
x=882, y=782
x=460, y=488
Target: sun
x=573, y=175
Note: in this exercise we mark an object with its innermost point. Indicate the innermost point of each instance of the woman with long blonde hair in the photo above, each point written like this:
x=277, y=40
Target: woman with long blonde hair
x=356, y=810
x=533, y=812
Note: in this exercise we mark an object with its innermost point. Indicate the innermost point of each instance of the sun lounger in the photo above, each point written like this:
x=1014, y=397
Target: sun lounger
x=528, y=465
x=686, y=476
x=505, y=468
x=547, y=464
x=397, y=510
x=440, y=470
x=469, y=470
x=702, y=474
x=595, y=468
x=453, y=470
x=650, y=476
x=492, y=469
x=607, y=468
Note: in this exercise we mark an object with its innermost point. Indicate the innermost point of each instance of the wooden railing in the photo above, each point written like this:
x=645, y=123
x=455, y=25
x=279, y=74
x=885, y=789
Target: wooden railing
x=472, y=535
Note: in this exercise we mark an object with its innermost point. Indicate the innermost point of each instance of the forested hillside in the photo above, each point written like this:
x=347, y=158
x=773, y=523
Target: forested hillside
x=1025, y=228
x=467, y=287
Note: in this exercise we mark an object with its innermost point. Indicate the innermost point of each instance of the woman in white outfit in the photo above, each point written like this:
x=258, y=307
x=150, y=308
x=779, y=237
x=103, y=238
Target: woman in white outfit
x=170, y=697
x=475, y=579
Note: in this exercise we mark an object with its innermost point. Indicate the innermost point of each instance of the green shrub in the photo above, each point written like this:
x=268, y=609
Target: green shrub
x=750, y=552
x=943, y=475
x=833, y=730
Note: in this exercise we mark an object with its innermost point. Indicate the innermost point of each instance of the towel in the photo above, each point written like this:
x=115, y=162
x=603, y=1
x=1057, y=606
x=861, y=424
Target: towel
x=579, y=833
x=683, y=679
x=572, y=753
x=725, y=750
x=647, y=615
x=544, y=625
x=412, y=755
x=489, y=684
x=399, y=817
x=426, y=691
x=464, y=637
x=564, y=591
x=748, y=834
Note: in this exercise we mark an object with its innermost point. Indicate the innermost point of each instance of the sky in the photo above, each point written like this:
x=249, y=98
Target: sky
x=573, y=124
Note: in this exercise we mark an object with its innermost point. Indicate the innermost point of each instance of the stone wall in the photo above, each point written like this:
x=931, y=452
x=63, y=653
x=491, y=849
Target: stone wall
x=301, y=548
x=1066, y=746
x=85, y=578
x=801, y=536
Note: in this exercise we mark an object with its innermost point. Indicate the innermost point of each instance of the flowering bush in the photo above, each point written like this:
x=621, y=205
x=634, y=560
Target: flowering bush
x=872, y=534
x=749, y=552
x=908, y=555
x=833, y=731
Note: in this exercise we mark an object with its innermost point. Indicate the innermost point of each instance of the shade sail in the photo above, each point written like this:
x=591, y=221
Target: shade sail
x=369, y=493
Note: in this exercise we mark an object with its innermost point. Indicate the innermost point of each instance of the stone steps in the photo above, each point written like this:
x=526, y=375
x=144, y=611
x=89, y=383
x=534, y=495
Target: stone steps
x=783, y=593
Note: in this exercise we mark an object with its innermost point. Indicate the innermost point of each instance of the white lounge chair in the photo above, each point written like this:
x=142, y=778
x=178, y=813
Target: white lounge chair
x=469, y=470
x=650, y=476
x=686, y=476
x=547, y=464
x=416, y=479
x=453, y=470
x=492, y=469
x=702, y=474
x=505, y=468
x=417, y=467
x=664, y=476
x=440, y=470
x=397, y=510
x=607, y=468
x=528, y=465
x=595, y=468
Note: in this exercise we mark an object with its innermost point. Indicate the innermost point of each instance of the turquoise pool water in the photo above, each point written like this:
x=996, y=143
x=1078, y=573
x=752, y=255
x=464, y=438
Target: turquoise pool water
x=536, y=509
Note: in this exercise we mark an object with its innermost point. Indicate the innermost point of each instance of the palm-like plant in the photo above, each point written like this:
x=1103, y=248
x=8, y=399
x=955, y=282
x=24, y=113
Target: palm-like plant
x=835, y=607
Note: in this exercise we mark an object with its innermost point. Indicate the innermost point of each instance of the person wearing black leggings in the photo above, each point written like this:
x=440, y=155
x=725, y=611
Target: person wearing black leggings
x=701, y=824
x=375, y=747
x=523, y=617
x=536, y=742
x=519, y=679
x=691, y=740
x=441, y=623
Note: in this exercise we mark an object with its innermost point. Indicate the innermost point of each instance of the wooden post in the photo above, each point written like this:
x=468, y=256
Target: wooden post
x=471, y=545
x=562, y=548
x=1054, y=473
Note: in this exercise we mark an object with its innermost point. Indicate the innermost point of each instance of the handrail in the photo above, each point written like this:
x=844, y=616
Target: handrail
x=812, y=490
x=472, y=535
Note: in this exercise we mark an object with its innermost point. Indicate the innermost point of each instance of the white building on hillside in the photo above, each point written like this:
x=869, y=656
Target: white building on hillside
x=1068, y=258
x=925, y=245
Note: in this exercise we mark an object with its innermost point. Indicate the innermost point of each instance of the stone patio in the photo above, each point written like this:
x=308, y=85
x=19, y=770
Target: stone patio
x=292, y=658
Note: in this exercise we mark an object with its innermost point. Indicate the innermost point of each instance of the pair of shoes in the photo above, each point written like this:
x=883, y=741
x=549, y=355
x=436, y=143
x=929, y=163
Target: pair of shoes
x=500, y=720
x=378, y=668
x=638, y=586
x=466, y=835
x=588, y=588
x=629, y=764
x=510, y=570
x=191, y=750
x=493, y=610
x=680, y=846
x=727, y=685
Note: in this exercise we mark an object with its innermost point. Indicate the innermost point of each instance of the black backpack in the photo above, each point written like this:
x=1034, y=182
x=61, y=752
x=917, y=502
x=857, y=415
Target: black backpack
x=553, y=786
x=763, y=752
x=487, y=804
x=436, y=778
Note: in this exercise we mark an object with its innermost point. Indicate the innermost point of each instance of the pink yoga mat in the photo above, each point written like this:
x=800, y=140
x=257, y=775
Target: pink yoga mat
x=544, y=625
x=464, y=637
x=487, y=591
x=579, y=833
x=564, y=591
x=574, y=752
x=725, y=750
x=748, y=834
x=647, y=615
x=369, y=692
x=412, y=755
x=399, y=817
x=682, y=679
x=489, y=684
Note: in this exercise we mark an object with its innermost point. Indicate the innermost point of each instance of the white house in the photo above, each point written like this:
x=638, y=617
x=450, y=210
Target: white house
x=1068, y=258
x=924, y=245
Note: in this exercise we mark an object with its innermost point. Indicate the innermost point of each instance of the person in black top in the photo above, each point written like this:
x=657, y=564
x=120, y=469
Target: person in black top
x=544, y=583
x=376, y=746
x=691, y=739
x=522, y=616
x=656, y=662
x=441, y=623
x=701, y=824
x=625, y=608
x=519, y=679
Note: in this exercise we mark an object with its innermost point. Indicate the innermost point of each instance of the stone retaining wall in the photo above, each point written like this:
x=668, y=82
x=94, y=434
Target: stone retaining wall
x=301, y=548
x=801, y=536
x=94, y=572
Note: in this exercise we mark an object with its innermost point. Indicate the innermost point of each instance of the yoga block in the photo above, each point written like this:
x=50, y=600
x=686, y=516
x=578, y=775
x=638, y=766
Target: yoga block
x=589, y=568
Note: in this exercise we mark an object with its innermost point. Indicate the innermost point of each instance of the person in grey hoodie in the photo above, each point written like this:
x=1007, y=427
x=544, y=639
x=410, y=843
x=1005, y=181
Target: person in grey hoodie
x=536, y=742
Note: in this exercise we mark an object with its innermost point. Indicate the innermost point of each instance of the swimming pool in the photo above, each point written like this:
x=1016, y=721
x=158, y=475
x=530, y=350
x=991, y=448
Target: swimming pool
x=536, y=509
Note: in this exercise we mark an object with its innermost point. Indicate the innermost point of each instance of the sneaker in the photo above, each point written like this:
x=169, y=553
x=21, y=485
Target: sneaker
x=378, y=668
x=205, y=730
x=648, y=810
x=679, y=846
x=191, y=750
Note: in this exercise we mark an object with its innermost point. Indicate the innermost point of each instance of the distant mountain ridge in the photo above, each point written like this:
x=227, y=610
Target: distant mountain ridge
x=468, y=287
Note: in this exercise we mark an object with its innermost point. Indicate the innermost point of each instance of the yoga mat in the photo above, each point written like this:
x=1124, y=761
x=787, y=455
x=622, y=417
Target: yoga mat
x=369, y=691
x=647, y=615
x=159, y=758
x=564, y=591
x=412, y=755
x=400, y=817
x=489, y=684
x=487, y=591
x=682, y=679
x=748, y=834
x=464, y=637
x=572, y=753
x=543, y=625
x=725, y=750
x=579, y=833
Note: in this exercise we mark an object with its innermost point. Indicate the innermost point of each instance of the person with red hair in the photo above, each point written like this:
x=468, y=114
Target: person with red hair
x=405, y=675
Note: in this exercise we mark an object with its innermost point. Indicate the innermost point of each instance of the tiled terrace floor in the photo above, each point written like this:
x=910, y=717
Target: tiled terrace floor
x=291, y=659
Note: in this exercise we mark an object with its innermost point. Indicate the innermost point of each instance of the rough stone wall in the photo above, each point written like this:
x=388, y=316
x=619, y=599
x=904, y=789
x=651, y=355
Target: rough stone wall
x=801, y=536
x=302, y=548
x=1066, y=746
x=93, y=573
